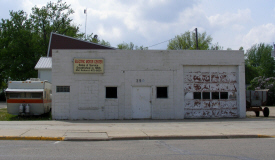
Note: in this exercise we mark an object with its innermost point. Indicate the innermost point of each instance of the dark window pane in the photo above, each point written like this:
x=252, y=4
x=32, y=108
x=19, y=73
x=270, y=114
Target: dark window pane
x=162, y=92
x=224, y=95
x=62, y=88
x=111, y=92
x=14, y=95
x=36, y=95
x=205, y=95
x=197, y=95
x=215, y=95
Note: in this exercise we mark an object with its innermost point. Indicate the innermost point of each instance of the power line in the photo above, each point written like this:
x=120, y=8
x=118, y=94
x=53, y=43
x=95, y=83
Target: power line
x=160, y=43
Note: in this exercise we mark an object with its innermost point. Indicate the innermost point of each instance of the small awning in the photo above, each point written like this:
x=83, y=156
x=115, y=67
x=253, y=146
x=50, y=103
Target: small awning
x=24, y=90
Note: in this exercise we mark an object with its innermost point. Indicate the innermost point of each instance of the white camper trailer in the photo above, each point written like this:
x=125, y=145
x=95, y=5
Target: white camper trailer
x=31, y=97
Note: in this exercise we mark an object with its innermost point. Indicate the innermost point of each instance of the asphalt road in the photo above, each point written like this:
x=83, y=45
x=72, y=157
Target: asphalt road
x=226, y=149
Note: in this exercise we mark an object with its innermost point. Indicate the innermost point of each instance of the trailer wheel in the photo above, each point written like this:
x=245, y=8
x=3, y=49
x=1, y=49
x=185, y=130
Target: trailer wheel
x=266, y=111
x=257, y=113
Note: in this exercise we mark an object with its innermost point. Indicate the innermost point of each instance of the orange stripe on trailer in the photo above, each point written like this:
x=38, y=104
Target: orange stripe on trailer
x=25, y=101
x=47, y=101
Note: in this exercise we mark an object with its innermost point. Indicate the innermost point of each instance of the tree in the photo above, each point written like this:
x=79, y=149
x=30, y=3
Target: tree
x=130, y=46
x=19, y=48
x=94, y=39
x=216, y=46
x=54, y=17
x=188, y=41
x=24, y=39
x=258, y=58
x=105, y=43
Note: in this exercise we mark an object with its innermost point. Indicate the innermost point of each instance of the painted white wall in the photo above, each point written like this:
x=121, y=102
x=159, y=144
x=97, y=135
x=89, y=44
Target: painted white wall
x=126, y=69
x=45, y=74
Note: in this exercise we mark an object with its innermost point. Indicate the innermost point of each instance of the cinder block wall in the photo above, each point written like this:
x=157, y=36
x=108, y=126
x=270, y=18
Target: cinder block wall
x=125, y=69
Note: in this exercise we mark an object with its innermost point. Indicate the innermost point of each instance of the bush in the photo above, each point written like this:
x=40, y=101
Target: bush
x=264, y=83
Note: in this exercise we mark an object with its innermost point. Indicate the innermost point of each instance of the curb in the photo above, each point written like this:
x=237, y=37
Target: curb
x=191, y=137
x=32, y=138
x=166, y=137
x=134, y=138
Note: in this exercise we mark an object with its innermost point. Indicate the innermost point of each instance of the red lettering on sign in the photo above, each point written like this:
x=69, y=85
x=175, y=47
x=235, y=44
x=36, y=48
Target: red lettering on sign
x=89, y=61
x=98, y=61
x=79, y=61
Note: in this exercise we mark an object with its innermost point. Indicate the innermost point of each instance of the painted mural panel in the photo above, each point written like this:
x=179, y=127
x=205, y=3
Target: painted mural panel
x=218, y=88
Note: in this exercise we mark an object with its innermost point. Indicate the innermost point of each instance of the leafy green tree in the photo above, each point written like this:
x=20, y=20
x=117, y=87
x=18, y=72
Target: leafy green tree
x=54, y=17
x=188, y=41
x=250, y=73
x=19, y=48
x=24, y=39
x=216, y=46
x=104, y=43
x=259, y=58
x=130, y=46
x=93, y=38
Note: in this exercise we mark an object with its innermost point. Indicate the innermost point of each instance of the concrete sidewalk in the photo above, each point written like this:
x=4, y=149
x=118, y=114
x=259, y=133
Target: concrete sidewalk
x=138, y=129
x=251, y=127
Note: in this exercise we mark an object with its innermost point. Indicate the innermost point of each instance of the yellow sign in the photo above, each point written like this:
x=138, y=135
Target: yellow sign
x=82, y=65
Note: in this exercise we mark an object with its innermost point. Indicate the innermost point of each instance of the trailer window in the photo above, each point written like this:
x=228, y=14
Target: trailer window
x=36, y=95
x=14, y=95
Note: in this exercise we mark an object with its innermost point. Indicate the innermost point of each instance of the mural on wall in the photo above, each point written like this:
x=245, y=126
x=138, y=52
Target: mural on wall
x=210, y=94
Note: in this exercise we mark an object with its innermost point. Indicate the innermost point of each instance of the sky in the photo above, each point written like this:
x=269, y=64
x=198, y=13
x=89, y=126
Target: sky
x=231, y=23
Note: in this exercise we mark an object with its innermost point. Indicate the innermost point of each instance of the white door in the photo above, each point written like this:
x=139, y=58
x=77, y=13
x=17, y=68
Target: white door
x=141, y=105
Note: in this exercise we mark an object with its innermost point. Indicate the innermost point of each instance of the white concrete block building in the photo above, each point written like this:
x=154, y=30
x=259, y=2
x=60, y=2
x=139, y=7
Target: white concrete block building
x=123, y=84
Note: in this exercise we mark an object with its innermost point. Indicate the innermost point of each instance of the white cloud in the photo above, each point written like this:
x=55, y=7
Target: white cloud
x=148, y=22
x=260, y=34
x=242, y=16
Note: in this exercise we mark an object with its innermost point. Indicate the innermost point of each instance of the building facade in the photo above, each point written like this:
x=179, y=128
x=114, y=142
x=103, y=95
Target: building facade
x=123, y=84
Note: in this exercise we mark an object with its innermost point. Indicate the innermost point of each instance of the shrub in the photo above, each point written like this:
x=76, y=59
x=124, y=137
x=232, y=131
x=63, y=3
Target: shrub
x=264, y=83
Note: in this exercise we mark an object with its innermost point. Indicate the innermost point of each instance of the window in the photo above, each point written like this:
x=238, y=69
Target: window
x=197, y=95
x=224, y=95
x=215, y=95
x=162, y=92
x=205, y=95
x=14, y=95
x=36, y=95
x=111, y=92
x=62, y=88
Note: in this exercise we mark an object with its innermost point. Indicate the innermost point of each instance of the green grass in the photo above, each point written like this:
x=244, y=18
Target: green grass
x=5, y=116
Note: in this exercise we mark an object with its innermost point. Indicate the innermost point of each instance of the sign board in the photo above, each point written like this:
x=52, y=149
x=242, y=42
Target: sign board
x=82, y=65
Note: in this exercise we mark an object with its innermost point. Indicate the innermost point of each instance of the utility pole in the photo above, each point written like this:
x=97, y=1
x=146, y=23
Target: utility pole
x=85, y=12
x=197, y=44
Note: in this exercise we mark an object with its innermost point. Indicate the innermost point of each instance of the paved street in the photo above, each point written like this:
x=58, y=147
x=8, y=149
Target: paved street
x=215, y=149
